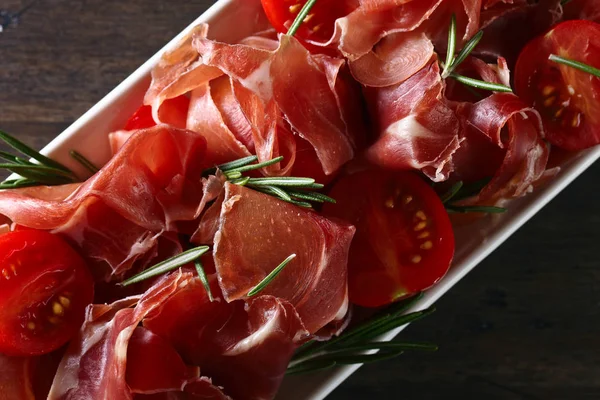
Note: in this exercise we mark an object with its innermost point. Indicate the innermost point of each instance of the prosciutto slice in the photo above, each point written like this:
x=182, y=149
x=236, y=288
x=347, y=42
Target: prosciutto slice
x=386, y=42
x=516, y=130
x=257, y=232
x=417, y=129
x=94, y=366
x=122, y=213
x=243, y=347
x=263, y=95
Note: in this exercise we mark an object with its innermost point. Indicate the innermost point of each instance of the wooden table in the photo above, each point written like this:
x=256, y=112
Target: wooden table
x=524, y=325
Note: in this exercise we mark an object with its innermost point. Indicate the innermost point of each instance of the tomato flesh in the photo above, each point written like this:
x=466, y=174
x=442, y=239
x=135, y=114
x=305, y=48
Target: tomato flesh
x=319, y=24
x=404, y=241
x=172, y=111
x=566, y=98
x=44, y=289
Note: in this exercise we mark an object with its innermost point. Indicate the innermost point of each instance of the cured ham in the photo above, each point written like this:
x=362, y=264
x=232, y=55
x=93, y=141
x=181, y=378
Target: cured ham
x=103, y=340
x=516, y=129
x=386, y=42
x=121, y=214
x=257, y=232
x=227, y=340
x=418, y=130
x=250, y=112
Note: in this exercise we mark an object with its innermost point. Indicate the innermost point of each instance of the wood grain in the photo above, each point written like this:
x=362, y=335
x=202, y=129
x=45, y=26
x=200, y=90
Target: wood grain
x=524, y=325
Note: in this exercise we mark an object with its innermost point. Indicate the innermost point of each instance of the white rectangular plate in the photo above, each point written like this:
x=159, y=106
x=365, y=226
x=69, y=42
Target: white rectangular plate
x=229, y=22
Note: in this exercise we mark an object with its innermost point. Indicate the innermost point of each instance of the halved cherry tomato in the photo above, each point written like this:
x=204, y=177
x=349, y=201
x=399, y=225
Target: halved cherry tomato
x=45, y=287
x=318, y=26
x=566, y=98
x=404, y=241
x=173, y=112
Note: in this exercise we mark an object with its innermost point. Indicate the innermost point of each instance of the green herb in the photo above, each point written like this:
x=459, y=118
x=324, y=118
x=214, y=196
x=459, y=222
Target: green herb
x=460, y=191
x=203, y=279
x=301, y=16
x=453, y=62
x=575, y=64
x=272, y=275
x=472, y=209
x=293, y=190
x=167, y=265
x=44, y=171
x=87, y=164
x=479, y=84
x=349, y=348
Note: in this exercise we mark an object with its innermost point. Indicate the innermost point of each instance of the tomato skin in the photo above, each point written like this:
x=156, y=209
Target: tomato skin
x=404, y=241
x=44, y=289
x=173, y=112
x=321, y=20
x=566, y=98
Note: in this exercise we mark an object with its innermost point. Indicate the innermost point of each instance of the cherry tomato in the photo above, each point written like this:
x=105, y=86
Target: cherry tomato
x=45, y=287
x=173, y=112
x=567, y=98
x=404, y=241
x=318, y=26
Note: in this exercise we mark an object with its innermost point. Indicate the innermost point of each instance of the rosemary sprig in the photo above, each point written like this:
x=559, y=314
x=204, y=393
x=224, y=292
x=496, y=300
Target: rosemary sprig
x=81, y=159
x=575, y=64
x=44, y=171
x=272, y=275
x=453, y=62
x=167, y=265
x=204, y=279
x=28, y=151
x=349, y=348
x=301, y=16
x=460, y=191
x=451, y=47
x=472, y=209
x=295, y=190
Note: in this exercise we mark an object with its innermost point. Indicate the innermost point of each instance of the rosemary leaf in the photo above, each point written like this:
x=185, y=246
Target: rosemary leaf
x=18, y=183
x=233, y=175
x=263, y=284
x=453, y=191
x=325, y=362
x=301, y=16
x=392, y=323
x=452, y=209
x=167, y=265
x=253, y=167
x=81, y=159
x=40, y=173
x=282, y=181
x=310, y=367
x=351, y=335
x=241, y=181
x=14, y=159
x=311, y=196
x=385, y=346
x=275, y=191
x=28, y=151
x=203, y=279
x=230, y=165
x=575, y=64
x=476, y=83
x=464, y=53
x=471, y=189
x=451, y=47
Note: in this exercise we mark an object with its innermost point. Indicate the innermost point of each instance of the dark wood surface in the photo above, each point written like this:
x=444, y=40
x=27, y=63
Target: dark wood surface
x=523, y=325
